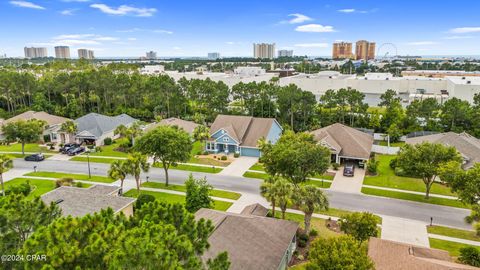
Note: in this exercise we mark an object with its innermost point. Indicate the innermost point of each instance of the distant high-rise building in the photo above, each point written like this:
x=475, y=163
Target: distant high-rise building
x=342, y=50
x=264, y=50
x=151, y=55
x=213, y=55
x=364, y=50
x=62, y=52
x=35, y=52
x=85, y=54
x=285, y=53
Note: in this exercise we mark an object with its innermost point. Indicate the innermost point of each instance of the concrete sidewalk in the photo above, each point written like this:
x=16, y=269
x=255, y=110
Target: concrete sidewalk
x=239, y=166
x=405, y=231
x=348, y=184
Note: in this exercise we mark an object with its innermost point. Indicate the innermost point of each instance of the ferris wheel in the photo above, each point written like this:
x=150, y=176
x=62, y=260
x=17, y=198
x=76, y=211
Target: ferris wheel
x=387, y=51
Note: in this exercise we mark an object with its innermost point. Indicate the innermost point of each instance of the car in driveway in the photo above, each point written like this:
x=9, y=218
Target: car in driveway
x=75, y=151
x=35, y=157
x=68, y=146
x=349, y=170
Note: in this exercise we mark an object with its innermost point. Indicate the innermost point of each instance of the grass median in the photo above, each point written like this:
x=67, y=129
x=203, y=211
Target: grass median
x=175, y=198
x=413, y=197
x=183, y=188
x=452, y=247
x=453, y=232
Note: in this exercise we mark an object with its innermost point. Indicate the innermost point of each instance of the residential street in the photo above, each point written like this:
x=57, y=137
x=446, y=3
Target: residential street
x=442, y=215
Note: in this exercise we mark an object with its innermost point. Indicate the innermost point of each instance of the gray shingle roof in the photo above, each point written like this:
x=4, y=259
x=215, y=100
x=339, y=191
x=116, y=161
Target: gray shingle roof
x=246, y=130
x=94, y=124
x=347, y=141
x=188, y=126
x=466, y=144
x=82, y=201
x=252, y=242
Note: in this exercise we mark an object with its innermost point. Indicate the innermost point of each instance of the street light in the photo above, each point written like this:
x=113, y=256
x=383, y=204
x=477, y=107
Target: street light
x=35, y=168
x=88, y=162
x=147, y=178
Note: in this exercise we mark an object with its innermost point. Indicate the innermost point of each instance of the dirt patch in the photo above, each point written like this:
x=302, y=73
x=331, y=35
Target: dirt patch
x=332, y=225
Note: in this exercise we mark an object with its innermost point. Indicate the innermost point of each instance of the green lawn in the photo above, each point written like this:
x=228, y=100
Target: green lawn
x=83, y=177
x=335, y=212
x=192, y=168
x=316, y=223
x=93, y=159
x=39, y=186
x=29, y=147
x=174, y=198
x=199, y=147
x=386, y=178
x=392, y=144
x=413, y=197
x=453, y=232
x=264, y=176
x=320, y=184
x=182, y=188
x=257, y=167
x=109, y=150
x=452, y=247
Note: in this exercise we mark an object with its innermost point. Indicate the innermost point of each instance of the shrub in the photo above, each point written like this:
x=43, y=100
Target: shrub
x=372, y=166
x=79, y=184
x=205, y=153
x=335, y=166
x=46, y=138
x=98, y=149
x=313, y=233
x=470, y=255
x=51, y=146
x=393, y=163
x=236, y=155
x=199, y=153
x=302, y=236
x=300, y=257
x=301, y=243
x=64, y=182
x=143, y=199
x=23, y=188
x=359, y=225
x=223, y=158
x=90, y=146
x=107, y=141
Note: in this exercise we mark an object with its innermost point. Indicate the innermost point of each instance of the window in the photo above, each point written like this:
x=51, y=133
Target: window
x=225, y=139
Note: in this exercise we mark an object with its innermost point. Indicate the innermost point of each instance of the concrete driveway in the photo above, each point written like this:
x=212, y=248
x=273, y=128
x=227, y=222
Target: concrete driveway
x=239, y=166
x=348, y=184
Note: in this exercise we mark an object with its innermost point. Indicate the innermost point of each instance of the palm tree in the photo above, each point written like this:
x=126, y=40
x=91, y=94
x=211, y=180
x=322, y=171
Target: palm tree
x=201, y=133
x=6, y=163
x=135, y=164
x=283, y=190
x=69, y=127
x=121, y=131
x=309, y=198
x=267, y=191
x=118, y=171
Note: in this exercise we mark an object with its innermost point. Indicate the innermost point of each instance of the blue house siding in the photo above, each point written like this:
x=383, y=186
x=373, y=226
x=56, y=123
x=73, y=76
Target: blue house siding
x=249, y=152
x=274, y=133
x=225, y=138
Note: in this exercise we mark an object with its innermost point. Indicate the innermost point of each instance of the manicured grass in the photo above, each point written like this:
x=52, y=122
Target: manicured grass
x=264, y=176
x=452, y=247
x=182, y=188
x=324, y=176
x=39, y=186
x=392, y=144
x=413, y=197
x=109, y=150
x=256, y=175
x=83, y=177
x=386, y=178
x=29, y=147
x=194, y=168
x=257, y=167
x=93, y=159
x=320, y=184
x=334, y=212
x=316, y=223
x=453, y=232
x=174, y=198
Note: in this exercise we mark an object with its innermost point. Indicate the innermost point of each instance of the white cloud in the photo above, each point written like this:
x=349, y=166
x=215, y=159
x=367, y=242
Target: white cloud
x=176, y=48
x=79, y=1
x=298, y=18
x=74, y=42
x=74, y=36
x=132, y=38
x=161, y=31
x=312, y=45
x=347, y=10
x=67, y=12
x=230, y=43
x=101, y=38
x=463, y=30
x=316, y=28
x=458, y=37
x=26, y=4
x=158, y=31
x=125, y=10
x=421, y=43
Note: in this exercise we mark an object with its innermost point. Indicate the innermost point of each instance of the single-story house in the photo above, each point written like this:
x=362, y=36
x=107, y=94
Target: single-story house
x=466, y=144
x=251, y=241
x=240, y=134
x=77, y=202
x=188, y=126
x=94, y=127
x=52, y=129
x=344, y=142
x=390, y=255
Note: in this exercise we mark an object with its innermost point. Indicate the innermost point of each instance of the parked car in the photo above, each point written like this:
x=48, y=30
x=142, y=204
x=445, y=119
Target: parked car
x=75, y=151
x=68, y=146
x=35, y=157
x=348, y=170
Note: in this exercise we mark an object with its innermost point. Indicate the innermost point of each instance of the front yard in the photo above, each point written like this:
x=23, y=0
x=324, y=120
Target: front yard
x=453, y=232
x=39, y=186
x=29, y=147
x=386, y=178
x=83, y=177
x=452, y=247
x=182, y=188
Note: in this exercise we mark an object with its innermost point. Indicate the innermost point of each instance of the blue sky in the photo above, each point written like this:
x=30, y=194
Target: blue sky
x=194, y=28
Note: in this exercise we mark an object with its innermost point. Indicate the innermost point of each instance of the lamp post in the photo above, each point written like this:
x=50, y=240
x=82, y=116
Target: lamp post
x=88, y=162
x=35, y=168
x=147, y=178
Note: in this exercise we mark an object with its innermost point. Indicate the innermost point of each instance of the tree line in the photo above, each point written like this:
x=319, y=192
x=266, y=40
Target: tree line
x=119, y=88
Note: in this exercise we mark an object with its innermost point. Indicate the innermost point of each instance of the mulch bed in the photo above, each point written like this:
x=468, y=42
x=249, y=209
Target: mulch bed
x=333, y=225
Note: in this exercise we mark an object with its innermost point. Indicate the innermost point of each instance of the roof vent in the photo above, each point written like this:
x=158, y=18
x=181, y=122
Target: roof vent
x=58, y=201
x=469, y=82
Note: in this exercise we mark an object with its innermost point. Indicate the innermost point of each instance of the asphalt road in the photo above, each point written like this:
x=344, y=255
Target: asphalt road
x=442, y=215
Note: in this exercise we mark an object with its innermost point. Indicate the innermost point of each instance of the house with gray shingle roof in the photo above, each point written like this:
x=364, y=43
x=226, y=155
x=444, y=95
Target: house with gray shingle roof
x=77, y=202
x=187, y=126
x=344, y=142
x=94, y=127
x=240, y=134
x=466, y=144
x=251, y=241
